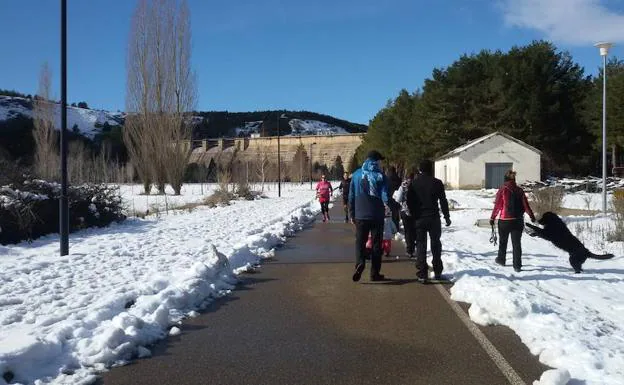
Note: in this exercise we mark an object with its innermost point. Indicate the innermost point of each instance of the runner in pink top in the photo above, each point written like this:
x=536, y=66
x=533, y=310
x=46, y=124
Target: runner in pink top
x=323, y=192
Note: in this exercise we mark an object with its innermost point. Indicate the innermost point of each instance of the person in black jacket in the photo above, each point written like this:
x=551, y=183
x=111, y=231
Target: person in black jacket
x=344, y=187
x=422, y=201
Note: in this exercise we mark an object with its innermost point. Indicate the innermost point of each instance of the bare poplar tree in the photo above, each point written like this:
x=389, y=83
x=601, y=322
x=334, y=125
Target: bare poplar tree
x=264, y=167
x=298, y=168
x=47, y=161
x=137, y=134
x=161, y=92
x=184, y=88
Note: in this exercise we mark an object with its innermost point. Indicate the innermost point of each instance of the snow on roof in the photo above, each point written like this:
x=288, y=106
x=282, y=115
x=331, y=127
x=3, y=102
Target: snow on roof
x=482, y=139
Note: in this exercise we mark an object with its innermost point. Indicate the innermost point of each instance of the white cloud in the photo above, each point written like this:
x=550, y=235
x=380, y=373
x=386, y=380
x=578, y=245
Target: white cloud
x=577, y=22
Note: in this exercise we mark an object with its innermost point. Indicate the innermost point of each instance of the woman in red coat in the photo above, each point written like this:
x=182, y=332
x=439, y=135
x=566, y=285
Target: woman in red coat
x=511, y=203
x=323, y=192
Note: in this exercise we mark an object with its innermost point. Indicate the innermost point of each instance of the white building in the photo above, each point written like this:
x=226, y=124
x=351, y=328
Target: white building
x=482, y=163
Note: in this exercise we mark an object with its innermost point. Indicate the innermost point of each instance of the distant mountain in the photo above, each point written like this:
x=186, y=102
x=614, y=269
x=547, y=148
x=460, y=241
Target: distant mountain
x=217, y=124
x=87, y=122
x=214, y=124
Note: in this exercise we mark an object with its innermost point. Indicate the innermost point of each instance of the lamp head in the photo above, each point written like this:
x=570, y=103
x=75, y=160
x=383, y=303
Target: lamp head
x=604, y=47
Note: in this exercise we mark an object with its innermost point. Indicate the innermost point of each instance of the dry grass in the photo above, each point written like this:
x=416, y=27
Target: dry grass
x=617, y=234
x=566, y=212
x=219, y=198
x=547, y=199
x=244, y=191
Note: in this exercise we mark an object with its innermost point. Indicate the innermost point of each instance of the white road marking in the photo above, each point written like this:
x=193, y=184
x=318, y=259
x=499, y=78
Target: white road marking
x=489, y=348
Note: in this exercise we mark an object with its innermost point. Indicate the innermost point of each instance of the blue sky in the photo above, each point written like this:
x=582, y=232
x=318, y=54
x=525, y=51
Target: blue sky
x=344, y=58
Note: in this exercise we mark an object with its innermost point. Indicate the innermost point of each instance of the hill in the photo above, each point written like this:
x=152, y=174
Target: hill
x=88, y=122
x=214, y=124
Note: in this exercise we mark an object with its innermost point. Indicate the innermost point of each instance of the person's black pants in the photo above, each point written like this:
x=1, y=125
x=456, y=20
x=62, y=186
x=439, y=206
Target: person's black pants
x=325, y=207
x=395, y=209
x=410, y=233
x=433, y=227
x=515, y=228
x=362, y=228
x=345, y=206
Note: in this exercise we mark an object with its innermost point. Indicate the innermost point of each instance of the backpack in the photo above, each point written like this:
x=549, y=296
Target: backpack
x=515, y=203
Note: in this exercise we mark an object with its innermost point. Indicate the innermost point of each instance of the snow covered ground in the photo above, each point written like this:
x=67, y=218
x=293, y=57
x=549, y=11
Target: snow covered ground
x=137, y=202
x=573, y=322
x=125, y=286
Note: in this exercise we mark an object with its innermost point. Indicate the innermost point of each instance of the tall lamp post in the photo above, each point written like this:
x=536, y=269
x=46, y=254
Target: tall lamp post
x=279, y=158
x=64, y=205
x=311, y=144
x=604, y=51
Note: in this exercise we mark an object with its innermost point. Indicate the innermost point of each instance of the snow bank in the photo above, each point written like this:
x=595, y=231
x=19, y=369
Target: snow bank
x=123, y=287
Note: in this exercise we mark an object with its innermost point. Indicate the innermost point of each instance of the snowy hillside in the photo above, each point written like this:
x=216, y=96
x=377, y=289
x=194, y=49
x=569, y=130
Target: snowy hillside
x=298, y=127
x=314, y=127
x=249, y=128
x=85, y=119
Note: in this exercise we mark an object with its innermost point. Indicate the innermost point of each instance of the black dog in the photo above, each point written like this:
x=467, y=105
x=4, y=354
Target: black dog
x=556, y=231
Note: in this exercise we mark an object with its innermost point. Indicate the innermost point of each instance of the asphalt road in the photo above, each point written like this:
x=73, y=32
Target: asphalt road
x=301, y=320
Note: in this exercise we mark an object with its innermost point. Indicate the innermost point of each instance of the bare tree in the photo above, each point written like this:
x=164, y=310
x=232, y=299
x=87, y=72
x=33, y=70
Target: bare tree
x=79, y=163
x=47, y=161
x=137, y=134
x=264, y=167
x=161, y=91
x=298, y=169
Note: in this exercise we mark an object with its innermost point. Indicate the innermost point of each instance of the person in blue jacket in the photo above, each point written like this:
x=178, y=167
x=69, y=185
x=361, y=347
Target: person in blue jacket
x=368, y=200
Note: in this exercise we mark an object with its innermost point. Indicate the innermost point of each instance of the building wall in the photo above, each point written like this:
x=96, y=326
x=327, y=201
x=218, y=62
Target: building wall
x=497, y=149
x=325, y=149
x=449, y=175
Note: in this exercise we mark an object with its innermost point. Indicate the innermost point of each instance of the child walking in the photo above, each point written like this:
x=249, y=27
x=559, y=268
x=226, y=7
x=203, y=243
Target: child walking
x=388, y=233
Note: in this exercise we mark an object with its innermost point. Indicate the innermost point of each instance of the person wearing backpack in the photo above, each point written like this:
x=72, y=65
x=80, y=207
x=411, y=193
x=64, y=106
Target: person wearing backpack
x=400, y=196
x=511, y=203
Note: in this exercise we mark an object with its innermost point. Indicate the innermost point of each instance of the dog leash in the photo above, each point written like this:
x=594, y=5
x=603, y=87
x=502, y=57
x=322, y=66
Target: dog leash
x=493, y=237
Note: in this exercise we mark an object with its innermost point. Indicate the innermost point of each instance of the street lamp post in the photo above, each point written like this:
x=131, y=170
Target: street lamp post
x=311, y=144
x=279, y=158
x=63, y=204
x=604, y=51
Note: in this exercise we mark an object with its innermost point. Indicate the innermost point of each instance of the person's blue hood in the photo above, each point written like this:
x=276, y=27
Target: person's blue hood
x=371, y=172
x=371, y=166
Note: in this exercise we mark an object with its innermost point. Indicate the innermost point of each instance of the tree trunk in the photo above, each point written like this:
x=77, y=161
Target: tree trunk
x=613, y=160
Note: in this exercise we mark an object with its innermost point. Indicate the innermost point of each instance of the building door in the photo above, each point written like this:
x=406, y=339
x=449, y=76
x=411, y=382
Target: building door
x=495, y=174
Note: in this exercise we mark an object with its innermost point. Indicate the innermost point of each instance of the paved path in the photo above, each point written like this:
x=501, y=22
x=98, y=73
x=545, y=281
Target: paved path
x=301, y=320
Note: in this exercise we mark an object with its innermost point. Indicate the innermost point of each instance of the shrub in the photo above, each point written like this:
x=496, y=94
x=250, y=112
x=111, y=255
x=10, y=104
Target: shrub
x=547, y=199
x=244, y=191
x=30, y=209
x=618, y=208
x=220, y=197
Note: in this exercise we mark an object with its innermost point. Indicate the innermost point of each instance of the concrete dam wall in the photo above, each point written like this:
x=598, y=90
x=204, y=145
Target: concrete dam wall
x=323, y=149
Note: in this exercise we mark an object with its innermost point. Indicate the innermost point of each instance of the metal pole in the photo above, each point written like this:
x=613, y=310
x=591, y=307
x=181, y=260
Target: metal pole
x=310, y=166
x=64, y=206
x=604, y=134
x=279, y=161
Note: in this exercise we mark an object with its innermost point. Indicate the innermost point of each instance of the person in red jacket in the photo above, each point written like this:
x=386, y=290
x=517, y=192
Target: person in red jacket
x=511, y=203
x=323, y=192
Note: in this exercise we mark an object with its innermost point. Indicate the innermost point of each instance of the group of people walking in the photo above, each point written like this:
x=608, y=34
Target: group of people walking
x=374, y=201
x=417, y=201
